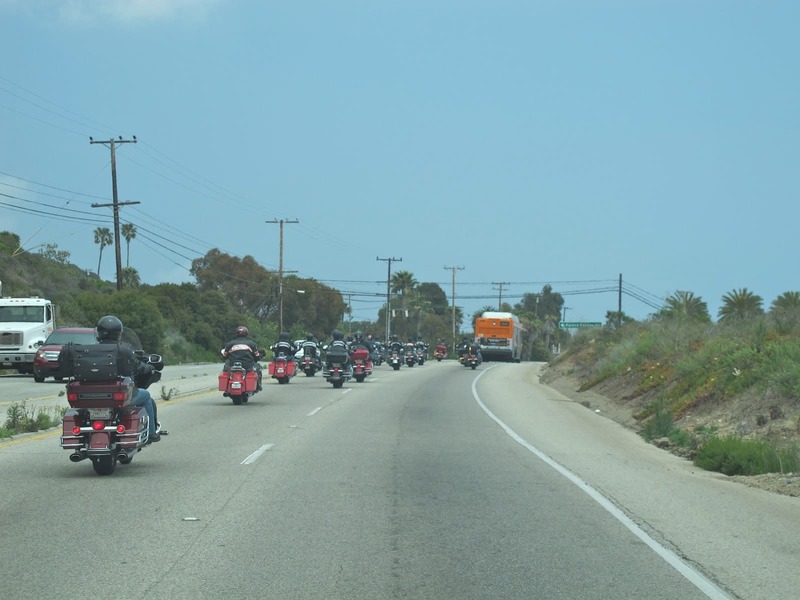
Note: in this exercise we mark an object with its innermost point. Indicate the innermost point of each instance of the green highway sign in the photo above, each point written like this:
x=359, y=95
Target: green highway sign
x=577, y=325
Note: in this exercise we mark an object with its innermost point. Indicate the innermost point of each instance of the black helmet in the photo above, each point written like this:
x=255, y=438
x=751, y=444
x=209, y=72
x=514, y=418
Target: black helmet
x=310, y=337
x=337, y=335
x=359, y=335
x=242, y=331
x=284, y=336
x=109, y=329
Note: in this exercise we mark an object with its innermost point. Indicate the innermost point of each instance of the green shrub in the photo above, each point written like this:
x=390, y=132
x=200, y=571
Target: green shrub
x=733, y=455
x=660, y=424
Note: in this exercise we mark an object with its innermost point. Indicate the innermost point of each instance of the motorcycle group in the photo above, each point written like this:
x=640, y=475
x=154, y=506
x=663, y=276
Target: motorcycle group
x=112, y=416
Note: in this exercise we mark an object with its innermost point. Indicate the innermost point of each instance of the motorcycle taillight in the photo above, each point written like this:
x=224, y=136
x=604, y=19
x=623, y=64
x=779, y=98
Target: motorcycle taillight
x=98, y=425
x=120, y=428
x=76, y=430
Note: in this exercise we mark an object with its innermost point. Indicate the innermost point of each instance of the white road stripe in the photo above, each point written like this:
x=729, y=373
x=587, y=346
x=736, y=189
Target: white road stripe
x=708, y=587
x=257, y=454
x=315, y=411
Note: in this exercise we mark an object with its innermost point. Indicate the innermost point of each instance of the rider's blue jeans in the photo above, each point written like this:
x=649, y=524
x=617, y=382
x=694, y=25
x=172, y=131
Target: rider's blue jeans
x=143, y=398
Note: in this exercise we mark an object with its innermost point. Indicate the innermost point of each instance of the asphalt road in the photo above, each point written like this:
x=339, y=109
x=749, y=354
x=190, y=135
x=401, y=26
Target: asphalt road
x=429, y=482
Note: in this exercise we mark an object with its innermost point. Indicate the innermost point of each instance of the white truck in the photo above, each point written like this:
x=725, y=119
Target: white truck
x=25, y=324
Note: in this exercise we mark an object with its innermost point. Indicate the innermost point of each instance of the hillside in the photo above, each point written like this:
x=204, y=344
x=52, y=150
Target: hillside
x=627, y=398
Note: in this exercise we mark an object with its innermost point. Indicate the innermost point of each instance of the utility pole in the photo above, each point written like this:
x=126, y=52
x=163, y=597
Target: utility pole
x=280, y=266
x=453, y=295
x=116, y=203
x=500, y=298
x=389, y=262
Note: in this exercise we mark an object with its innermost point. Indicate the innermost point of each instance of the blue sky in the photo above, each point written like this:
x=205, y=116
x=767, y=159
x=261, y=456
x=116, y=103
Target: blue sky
x=529, y=142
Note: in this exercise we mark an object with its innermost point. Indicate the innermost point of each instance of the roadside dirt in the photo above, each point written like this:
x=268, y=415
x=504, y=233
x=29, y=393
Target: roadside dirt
x=618, y=400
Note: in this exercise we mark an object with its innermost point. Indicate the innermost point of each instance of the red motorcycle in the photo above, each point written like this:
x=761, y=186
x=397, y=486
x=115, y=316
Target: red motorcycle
x=362, y=365
x=102, y=425
x=281, y=368
x=238, y=383
x=440, y=352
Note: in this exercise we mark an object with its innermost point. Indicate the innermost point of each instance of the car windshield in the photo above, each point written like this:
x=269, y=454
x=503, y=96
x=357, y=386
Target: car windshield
x=76, y=337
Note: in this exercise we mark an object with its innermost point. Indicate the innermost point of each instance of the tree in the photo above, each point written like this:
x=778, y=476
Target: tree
x=687, y=306
x=740, y=304
x=786, y=301
x=129, y=232
x=403, y=283
x=434, y=294
x=248, y=285
x=130, y=278
x=102, y=236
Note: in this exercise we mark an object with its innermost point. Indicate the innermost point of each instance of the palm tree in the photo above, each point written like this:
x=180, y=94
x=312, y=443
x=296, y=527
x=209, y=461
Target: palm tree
x=102, y=236
x=786, y=301
x=740, y=304
x=129, y=232
x=685, y=305
x=130, y=278
x=403, y=283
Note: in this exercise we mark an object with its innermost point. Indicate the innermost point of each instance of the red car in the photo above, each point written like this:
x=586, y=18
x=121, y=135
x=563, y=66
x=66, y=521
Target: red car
x=45, y=362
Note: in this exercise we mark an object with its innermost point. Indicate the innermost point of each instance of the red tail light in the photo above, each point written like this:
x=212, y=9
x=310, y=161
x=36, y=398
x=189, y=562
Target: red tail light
x=72, y=397
x=76, y=431
x=120, y=428
x=98, y=425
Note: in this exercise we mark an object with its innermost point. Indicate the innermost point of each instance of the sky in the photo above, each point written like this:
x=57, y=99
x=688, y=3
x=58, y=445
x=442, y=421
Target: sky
x=513, y=144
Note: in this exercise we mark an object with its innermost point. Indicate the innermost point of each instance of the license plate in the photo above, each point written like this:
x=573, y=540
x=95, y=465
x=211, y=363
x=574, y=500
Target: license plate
x=99, y=413
x=236, y=385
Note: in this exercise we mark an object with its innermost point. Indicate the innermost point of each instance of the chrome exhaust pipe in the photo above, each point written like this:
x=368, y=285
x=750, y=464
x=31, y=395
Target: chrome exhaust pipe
x=77, y=457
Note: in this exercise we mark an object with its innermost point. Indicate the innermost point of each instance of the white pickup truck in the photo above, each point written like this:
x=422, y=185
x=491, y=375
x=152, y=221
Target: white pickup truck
x=25, y=324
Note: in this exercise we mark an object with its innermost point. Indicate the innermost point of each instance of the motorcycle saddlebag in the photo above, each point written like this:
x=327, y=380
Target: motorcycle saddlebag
x=133, y=418
x=360, y=354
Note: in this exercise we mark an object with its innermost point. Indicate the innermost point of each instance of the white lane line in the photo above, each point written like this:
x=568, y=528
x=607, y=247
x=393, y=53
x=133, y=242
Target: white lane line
x=257, y=454
x=315, y=411
x=696, y=578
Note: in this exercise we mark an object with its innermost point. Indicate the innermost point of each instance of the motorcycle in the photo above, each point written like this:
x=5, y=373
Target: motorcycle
x=238, y=383
x=337, y=368
x=410, y=356
x=394, y=360
x=309, y=364
x=281, y=368
x=471, y=360
x=102, y=425
x=362, y=365
x=422, y=356
x=440, y=352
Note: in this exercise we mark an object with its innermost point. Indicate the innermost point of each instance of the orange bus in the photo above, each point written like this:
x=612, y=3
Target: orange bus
x=499, y=334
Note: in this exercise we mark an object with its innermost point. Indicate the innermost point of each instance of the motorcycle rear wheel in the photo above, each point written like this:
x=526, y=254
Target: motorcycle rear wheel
x=237, y=399
x=104, y=465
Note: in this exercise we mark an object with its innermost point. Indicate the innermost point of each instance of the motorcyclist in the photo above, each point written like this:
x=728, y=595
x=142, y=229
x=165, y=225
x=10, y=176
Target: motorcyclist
x=360, y=341
x=109, y=333
x=473, y=349
x=310, y=347
x=243, y=350
x=338, y=347
x=395, y=344
x=284, y=345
